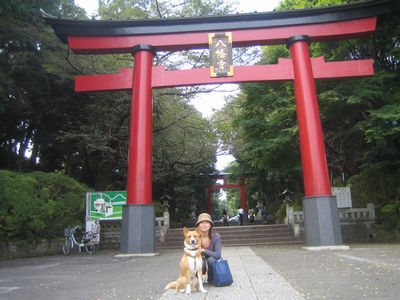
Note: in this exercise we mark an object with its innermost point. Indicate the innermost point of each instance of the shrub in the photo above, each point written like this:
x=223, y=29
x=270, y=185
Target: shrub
x=380, y=186
x=38, y=205
x=389, y=216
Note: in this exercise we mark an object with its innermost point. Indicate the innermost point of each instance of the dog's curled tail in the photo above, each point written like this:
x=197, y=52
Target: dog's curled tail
x=171, y=285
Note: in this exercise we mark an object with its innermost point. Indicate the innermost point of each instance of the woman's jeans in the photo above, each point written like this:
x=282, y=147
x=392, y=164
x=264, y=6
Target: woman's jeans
x=210, y=263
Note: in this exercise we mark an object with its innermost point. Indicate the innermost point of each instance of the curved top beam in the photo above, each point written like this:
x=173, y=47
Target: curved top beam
x=321, y=24
x=68, y=27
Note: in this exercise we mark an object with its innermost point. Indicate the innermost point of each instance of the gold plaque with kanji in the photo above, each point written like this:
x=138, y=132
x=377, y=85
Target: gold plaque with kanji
x=221, y=62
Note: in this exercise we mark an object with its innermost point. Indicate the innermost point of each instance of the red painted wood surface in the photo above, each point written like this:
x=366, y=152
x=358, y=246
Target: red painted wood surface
x=282, y=71
x=140, y=176
x=313, y=155
x=240, y=38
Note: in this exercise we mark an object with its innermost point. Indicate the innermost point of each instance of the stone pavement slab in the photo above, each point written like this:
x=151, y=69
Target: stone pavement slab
x=253, y=279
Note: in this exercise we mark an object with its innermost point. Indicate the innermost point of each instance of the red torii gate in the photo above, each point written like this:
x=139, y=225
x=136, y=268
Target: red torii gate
x=241, y=186
x=295, y=28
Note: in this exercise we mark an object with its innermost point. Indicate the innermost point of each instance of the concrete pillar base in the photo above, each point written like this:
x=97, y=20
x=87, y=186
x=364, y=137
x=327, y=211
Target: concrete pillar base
x=138, y=229
x=321, y=221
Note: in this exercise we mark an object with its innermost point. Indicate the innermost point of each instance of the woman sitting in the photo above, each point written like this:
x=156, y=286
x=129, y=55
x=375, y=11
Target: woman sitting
x=210, y=243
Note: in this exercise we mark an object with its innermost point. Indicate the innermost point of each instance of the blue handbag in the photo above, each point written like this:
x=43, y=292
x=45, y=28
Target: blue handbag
x=221, y=272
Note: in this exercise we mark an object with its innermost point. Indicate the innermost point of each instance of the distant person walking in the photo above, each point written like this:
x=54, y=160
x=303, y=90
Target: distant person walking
x=264, y=214
x=240, y=213
x=225, y=217
x=251, y=216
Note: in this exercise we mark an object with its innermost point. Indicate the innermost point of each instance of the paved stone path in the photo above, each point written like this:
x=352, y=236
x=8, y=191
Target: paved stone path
x=253, y=279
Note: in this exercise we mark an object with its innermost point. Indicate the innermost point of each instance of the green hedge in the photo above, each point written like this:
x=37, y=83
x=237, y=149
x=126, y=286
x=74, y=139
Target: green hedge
x=38, y=205
x=389, y=216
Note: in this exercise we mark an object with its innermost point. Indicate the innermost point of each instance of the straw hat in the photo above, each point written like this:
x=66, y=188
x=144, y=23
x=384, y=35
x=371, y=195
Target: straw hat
x=204, y=217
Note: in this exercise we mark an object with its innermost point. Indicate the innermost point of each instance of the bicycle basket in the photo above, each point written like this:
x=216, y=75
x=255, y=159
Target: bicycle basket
x=96, y=229
x=69, y=231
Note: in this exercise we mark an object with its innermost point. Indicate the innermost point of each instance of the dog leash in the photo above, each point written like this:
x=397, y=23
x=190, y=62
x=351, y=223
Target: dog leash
x=187, y=251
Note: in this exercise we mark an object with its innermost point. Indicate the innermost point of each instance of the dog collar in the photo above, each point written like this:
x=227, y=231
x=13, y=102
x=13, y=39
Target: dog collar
x=191, y=252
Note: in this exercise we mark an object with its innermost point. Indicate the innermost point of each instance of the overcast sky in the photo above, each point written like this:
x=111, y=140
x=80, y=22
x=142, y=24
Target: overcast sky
x=244, y=5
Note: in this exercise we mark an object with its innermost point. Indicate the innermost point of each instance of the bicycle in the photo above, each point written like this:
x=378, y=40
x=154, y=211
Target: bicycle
x=90, y=241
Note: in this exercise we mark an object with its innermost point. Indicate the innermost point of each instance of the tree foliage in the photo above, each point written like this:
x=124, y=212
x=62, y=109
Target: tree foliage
x=34, y=98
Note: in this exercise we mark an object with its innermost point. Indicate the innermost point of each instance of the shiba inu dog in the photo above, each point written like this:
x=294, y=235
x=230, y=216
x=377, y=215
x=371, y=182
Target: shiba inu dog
x=190, y=265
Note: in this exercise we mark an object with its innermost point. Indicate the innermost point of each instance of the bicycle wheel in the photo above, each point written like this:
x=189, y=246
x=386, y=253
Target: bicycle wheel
x=92, y=248
x=68, y=246
x=92, y=244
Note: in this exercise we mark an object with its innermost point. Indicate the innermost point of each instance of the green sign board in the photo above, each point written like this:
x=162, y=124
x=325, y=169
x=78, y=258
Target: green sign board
x=105, y=205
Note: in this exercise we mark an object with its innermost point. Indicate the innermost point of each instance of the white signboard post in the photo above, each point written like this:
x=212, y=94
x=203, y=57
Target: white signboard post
x=343, y=197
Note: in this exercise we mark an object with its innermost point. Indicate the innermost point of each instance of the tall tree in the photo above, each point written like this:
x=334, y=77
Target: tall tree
x=28, y=88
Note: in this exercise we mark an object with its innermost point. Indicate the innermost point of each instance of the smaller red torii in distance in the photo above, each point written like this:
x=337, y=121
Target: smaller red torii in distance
x=241, y=186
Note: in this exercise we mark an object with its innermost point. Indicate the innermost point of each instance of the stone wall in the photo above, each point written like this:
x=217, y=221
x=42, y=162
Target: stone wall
x=109, y=239
x=352, y=232
x=22, y=249
x=357, y=224
x=358, y=232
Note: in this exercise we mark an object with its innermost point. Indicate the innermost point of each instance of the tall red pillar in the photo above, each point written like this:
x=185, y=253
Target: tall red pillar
x=209, y=200
x=139, y=185
x=138, y=228
x=322, y=226
x=313, y=156
x=244, y=202
x=243, y=197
